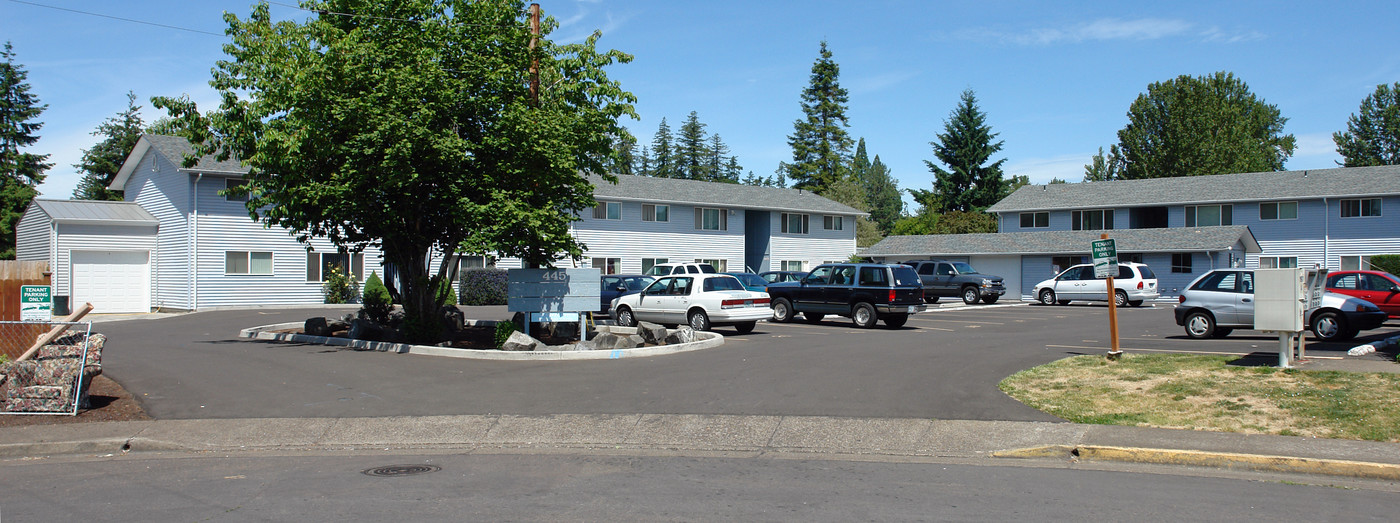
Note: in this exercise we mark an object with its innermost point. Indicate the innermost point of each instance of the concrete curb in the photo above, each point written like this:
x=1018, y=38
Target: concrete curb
x=704, y=340
x=1225, y=460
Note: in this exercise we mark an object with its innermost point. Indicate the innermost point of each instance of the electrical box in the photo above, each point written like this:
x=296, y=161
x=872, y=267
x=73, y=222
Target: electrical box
x=1282, y=297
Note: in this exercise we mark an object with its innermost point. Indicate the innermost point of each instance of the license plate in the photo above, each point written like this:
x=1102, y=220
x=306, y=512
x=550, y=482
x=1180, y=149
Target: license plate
x=748, y=303
x=913, y=308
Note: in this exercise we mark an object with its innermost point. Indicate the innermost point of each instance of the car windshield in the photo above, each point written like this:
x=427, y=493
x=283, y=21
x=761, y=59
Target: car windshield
x=707, y=268
x=905, y=276
x=658, y=270
x=750, y=279
x=964, y=268
x=723, y=283
x=638, y=283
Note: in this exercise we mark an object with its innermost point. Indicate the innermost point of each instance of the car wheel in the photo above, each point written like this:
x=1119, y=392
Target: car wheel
x=1047, y=297
x=863, y=314
x=813, y=317
x=1135, y=303
x=1200, y=325
x=895, y=321
x=1221, y=332
x=989, y=299
x=1331, y=326
x=699, y=320
x=625, y=318
x=745, y=327
x=1120, y=298
x=930, y=299
x=782, y=310
x=970, y=295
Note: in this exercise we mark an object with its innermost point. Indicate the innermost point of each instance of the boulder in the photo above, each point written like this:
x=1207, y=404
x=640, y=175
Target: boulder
x=652, y=333
x=622, y=331
x=367, y=330
x=613, y=341
x=518, y=341
x=681, y=335
x=453, y=319
x=323, y=326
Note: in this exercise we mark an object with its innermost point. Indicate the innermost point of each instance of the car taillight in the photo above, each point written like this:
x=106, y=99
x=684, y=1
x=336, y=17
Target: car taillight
x=1139, y=285
x=1181, y=298
x=754, y=302
x=892, y=296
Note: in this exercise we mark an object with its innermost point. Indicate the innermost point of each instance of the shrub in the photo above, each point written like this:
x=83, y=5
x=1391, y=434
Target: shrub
x=503, y=331
x=376, y=300
x=484, y=287
x=339, y=287
x=445, y=294
x=1386, y=262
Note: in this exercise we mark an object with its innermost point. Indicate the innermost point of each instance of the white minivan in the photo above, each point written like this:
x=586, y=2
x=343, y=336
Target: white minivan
x=1134, y=284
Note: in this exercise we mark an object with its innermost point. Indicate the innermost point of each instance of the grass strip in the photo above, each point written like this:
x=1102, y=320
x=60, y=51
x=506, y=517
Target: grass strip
x=1206, y=392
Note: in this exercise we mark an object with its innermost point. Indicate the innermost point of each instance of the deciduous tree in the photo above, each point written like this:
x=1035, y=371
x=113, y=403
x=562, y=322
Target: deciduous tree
x=411, y=125
x=20, y=172
x=1104, y=167
x=1373, y=134
x=1200, y=125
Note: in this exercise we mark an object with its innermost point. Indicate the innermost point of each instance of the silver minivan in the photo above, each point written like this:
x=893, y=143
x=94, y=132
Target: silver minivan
x=1134, y=284
x=1222, y=300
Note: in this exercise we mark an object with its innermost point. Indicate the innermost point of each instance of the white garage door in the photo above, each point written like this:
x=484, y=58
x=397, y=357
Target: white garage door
x=112, y=281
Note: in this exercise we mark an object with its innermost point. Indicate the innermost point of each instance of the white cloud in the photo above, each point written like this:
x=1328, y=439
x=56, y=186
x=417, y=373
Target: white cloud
x=1216, y=34
x=1102, y=29
x=1067, y=167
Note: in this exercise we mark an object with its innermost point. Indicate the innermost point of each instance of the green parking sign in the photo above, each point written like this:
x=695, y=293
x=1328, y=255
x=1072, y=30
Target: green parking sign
x=1105, y=258
x=35, y=303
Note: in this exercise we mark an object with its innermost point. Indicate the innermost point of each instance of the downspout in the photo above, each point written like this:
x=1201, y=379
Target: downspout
x=1326, y=232
x=194, y=242
x=53, y=260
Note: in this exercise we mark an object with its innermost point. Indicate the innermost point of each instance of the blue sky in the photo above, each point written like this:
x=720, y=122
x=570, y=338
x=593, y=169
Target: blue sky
x=1054, y=78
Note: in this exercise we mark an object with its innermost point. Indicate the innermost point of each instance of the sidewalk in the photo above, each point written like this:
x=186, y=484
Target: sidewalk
x=775, y=435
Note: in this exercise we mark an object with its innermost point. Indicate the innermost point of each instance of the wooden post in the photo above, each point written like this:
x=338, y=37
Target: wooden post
x=55, y=332
x=1115, y=352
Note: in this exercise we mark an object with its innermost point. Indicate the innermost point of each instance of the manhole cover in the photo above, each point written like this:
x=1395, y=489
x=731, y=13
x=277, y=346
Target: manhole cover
x=400, y=470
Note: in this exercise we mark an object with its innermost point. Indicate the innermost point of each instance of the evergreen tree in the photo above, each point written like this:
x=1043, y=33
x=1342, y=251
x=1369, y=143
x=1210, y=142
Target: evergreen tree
x=883, y=196
x=1104, y=168
x=643, y=163
x=732, y=170
x=663, y=164
x=965, y=146
x=100, y=164
x=1372, y=136
x=1191, y=126
x=821, y=148
x=625, y=146
x=716, y=154
x=691, y=157
x=20, y=172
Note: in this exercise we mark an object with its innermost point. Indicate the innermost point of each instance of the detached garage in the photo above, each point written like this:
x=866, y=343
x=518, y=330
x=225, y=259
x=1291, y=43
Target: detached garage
x=100, y=252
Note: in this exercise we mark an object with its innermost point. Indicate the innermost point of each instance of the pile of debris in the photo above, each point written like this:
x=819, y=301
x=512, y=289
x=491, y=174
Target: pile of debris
x=608, y=337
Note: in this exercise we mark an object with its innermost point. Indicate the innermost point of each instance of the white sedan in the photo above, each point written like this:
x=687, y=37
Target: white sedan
x=700, y=300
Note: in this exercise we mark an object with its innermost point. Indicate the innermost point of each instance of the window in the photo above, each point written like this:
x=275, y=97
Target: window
x=791, y=265
x=1345, y=281
x=1092, y=220
x=231, y=183
x=1181, y=263
x=475, y=262
x=608, y=211
x=648, y=263
x=722, y=284
x=831, y=223
x=794, y=223
x=843, y=275
x=711, y=219
x=1227, y=281
x=1278, y=262
x=1209, y=215
x=1361, y=208
x=317, y=263
x=1035, y=220
x=656, y=213
x=1129, y=257
x=719, y=265
x=874, y=276
x=1355, y=263
x=244, y=262
x=1278, y=211
x=607, y=265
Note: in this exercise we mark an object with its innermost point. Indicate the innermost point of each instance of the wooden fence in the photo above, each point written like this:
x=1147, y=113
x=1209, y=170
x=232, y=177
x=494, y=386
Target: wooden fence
x=14, y=274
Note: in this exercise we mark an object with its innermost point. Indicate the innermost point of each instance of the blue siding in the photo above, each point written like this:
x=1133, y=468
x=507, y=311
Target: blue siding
x=1387, y=224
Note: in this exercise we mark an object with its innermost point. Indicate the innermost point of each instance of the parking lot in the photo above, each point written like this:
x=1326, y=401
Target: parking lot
x=944, y=364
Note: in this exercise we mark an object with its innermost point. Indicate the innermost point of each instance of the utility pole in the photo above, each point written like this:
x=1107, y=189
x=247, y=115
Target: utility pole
x=534, y=57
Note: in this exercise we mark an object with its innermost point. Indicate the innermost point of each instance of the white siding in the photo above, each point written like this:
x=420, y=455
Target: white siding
x=815, y=247
x=34, y=236
x=157, y=186
x=677, y=240
x=92, y=237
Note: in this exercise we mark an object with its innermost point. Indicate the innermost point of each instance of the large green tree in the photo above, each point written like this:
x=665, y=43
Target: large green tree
x=821, y=148
x=972, y=180
x=101, y=163
x=848, y=191
x=1104, y=167
x=1373, y=134
x=882, y=194
x=412, y=125
x=663, y=157
x=1200, y=125
x=692, y=154
x=20, y=172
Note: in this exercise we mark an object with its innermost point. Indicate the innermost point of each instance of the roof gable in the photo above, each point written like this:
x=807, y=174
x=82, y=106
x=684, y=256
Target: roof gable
x=1341, y=182
x=173, y=149
x=95, y=211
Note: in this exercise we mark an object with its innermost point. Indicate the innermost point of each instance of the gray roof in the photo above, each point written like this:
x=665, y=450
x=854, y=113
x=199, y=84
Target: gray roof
x=75, y=211
x=175, y=149
x=1344, y=182
x=1177, y=239
x=690, y=192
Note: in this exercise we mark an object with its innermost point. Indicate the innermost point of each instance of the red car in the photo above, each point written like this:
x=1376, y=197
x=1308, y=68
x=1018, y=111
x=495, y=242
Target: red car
x=1380, y=288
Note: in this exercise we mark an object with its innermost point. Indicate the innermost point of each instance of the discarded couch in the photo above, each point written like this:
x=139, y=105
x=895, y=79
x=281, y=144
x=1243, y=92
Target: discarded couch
x=59, y=372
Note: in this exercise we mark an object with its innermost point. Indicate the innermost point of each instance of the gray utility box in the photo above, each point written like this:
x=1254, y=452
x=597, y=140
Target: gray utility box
x=552, y=290
x=1282, y=297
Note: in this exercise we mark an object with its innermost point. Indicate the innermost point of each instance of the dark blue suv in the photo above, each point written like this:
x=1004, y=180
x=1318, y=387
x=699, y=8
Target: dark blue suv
x=864, y=292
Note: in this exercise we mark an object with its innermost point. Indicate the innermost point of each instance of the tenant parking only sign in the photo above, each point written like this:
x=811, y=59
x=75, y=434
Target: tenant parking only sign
x=1105, y=258
x=35, y=303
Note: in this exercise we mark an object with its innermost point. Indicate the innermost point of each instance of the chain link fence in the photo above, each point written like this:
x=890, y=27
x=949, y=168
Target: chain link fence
x=54, y=379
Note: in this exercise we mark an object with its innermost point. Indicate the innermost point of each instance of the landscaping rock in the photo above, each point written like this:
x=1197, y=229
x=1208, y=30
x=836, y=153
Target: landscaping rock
x=652, y=333
x=453, y=319
x=612, y=341
x=322, y=326
x=518, y=341
x=681, y=335
x=622, y=331
x=368, y=331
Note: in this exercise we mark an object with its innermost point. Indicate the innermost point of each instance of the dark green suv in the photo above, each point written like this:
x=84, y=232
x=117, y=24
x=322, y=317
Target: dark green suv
x=864, y=292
